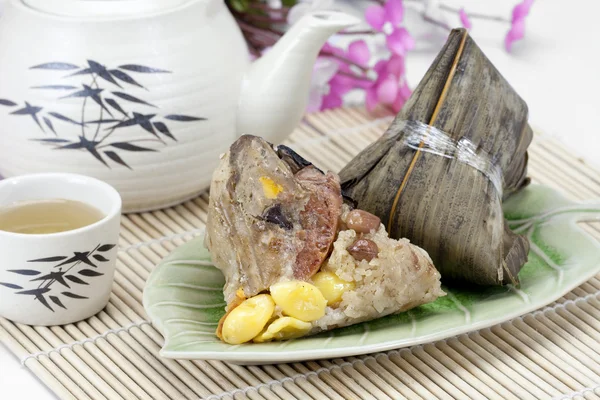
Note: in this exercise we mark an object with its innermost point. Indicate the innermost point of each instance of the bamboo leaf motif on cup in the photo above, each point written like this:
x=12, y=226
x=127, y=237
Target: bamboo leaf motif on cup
x=61, y=270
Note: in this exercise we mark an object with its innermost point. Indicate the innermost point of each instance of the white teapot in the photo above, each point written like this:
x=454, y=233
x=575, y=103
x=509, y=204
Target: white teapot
x=144, y=94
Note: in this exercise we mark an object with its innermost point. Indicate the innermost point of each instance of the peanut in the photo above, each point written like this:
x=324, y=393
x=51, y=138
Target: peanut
x=363, y=249
x=362, y=222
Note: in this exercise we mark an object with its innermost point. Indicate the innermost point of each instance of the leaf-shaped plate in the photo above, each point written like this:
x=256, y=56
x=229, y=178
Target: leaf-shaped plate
x=184, y=299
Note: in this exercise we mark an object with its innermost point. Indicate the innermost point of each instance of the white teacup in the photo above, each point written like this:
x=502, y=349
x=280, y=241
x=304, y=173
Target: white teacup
x=76, y=267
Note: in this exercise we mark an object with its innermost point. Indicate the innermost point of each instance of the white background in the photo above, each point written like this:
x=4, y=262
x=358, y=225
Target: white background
x=554, y=69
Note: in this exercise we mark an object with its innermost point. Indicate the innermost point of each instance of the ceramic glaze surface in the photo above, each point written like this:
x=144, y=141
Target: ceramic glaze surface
x=145, y=100
x=184, y=297
x=58, y=278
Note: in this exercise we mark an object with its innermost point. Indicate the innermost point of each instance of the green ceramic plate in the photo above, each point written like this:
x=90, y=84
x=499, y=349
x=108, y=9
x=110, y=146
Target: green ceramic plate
x=184, y=298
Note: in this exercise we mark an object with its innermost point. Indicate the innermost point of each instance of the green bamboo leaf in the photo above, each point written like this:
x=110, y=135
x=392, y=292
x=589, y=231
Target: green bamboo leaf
x=198, y=284
x=183, y=292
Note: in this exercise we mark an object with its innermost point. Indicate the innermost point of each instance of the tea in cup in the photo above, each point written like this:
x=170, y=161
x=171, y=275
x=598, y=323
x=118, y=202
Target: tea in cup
x=58, y=247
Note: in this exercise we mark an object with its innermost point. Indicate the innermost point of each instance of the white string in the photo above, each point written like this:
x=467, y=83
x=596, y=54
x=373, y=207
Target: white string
x=82, y=342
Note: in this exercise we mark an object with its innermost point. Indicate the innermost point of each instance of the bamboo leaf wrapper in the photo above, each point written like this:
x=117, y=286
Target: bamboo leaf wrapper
x=442, y=204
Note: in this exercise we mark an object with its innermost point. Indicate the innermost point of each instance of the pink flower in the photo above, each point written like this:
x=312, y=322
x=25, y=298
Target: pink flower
x=464, y=19
x=390, y=88
x=400, y=41
x=335, y=98
x=340, y=84
x=358, y=51
x=387, y=19
x=517, y=28
x=521, y=10
x=392, y=12
x=323, y=70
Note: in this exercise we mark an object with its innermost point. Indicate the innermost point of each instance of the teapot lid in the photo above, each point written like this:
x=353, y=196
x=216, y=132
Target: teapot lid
x=104, y=9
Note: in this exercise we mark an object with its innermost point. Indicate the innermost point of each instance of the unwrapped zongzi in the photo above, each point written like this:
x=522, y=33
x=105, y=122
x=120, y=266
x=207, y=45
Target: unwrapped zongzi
x=296, y=259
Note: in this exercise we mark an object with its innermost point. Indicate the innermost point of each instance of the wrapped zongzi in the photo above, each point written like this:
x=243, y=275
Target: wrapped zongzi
x=297, y=260
x=439, y=174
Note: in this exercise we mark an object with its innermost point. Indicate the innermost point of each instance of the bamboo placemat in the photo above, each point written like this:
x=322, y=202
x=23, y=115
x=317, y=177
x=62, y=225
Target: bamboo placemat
x=551, y=353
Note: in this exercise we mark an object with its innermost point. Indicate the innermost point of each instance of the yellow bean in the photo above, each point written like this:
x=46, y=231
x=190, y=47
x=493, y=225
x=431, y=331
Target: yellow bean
x=299, y=299
x=271, y=189
x=332, y=286
x=284, y=328
x=248, y=319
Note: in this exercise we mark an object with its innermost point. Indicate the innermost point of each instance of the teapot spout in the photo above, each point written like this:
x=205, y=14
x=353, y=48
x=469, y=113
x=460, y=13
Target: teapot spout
x=275, y=89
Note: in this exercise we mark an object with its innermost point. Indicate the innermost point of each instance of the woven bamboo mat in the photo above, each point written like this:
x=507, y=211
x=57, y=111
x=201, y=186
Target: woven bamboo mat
x=553, y=353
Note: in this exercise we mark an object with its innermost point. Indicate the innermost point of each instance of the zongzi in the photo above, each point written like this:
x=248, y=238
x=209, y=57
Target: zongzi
x=447, y=198
x=296, y=258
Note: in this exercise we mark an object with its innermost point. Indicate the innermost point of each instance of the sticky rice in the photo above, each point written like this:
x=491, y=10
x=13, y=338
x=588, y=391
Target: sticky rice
x=401, y=277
